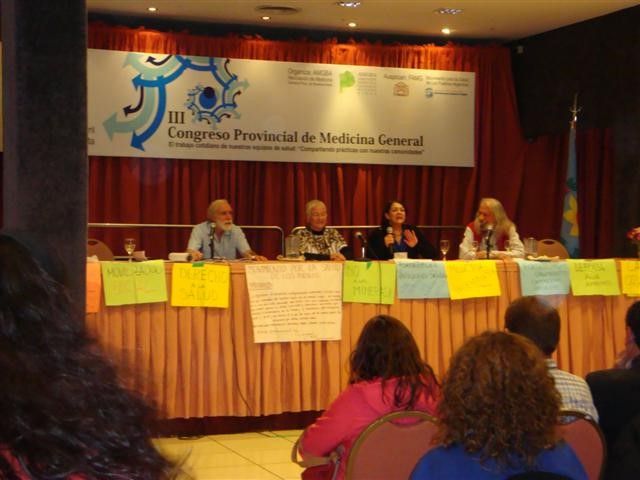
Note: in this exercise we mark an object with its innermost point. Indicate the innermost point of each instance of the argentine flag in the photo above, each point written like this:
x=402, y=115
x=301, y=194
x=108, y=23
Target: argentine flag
x=570, y=233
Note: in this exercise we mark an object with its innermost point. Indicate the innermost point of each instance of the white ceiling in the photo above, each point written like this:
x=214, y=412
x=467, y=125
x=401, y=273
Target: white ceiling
x=501, y=20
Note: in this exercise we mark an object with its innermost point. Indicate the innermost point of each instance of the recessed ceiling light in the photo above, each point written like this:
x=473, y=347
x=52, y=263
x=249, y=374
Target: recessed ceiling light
x=348, y=4
x=266, y=18
x=448, y=11
x=352, y=24
x=446, y=30
x=152, y=9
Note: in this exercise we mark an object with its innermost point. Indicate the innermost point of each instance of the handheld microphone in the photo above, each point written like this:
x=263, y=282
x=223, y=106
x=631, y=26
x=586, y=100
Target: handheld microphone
x=212, y=232
x=390, y=232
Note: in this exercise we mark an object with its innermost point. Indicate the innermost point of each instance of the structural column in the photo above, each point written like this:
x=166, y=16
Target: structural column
x=44, y=46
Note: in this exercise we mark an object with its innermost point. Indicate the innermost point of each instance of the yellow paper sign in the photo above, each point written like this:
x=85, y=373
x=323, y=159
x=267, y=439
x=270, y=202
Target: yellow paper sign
x=472, y=279
x=593, y=277
x=369, y=282
x=94, y=284
x=200, y=286
x=630, y=273
x=127, y=283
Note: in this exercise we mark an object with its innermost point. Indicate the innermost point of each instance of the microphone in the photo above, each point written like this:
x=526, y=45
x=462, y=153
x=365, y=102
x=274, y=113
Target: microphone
x=363, y=249
x=212, y=231
x=390, y=232
x=487, y=239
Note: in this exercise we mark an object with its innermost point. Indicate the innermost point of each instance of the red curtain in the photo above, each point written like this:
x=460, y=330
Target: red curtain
x=527, y=177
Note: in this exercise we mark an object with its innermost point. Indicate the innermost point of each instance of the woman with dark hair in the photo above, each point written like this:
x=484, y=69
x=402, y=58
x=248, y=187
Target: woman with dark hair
x=64, y=414
x=387, y=375
x=498, y=415
x=394, y=235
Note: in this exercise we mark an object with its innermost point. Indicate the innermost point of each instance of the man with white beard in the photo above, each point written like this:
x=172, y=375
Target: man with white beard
x=218, y=237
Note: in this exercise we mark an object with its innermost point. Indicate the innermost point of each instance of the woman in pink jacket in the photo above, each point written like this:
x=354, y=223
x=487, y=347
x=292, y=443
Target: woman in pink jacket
x=387, y=375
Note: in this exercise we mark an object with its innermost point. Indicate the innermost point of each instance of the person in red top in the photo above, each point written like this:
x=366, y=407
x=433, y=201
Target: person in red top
x=64, y=413
x=387, y=375
x=492, y=225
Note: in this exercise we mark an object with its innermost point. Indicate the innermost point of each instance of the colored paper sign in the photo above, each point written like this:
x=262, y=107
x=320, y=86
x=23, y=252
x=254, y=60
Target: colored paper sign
x=630, y=274
x=421, y=279
x=128, y=283
x=472, y=279
x=293, y=302
x=94, y=285
x=200, y=286
x=543, y=278
x=369, y=282
x=593, y=277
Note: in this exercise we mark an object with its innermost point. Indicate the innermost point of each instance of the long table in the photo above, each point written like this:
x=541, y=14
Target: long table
x=202, y=362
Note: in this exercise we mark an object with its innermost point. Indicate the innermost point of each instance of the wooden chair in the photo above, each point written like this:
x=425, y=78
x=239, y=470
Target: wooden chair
x=552, y=248
x=586, y=439
x=99, y=249
x=391, y=446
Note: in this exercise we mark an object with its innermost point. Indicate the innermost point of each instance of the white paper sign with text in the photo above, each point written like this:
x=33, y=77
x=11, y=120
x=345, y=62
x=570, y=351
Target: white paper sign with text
x=292, y=302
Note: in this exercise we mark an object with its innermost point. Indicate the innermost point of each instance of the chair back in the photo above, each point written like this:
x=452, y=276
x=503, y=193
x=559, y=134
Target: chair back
x=99, y=249
x=552, y=248
x=391, y=446
x=586, y=439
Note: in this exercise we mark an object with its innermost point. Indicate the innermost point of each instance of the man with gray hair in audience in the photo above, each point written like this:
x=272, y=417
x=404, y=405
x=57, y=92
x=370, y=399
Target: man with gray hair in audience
x=540, y=323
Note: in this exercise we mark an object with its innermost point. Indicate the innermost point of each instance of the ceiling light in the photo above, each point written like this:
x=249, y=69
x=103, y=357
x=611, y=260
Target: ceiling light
x=448, y=11
x=348, y=4
x=266, y=18
x=446, y=30
x=352, y=24
x=152, y=9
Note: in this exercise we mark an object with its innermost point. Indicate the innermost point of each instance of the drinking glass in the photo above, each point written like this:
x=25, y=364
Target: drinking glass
x=444, y=248
x=129, y=246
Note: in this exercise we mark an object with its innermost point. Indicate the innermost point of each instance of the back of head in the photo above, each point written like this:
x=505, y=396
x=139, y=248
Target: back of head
x=63, y=410
x=386, y=349
x=632, y=320
x=499, y=400
x=536, y=320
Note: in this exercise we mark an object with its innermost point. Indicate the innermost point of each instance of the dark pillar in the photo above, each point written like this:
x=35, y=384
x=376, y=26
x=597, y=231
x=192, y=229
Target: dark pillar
x=45, y=127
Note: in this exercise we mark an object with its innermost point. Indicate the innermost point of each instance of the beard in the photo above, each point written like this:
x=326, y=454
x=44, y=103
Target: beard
x=226, y=226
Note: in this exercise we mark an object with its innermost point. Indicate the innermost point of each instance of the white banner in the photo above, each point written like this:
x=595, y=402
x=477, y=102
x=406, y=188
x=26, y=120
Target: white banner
x=292, y=302
x=173, y=106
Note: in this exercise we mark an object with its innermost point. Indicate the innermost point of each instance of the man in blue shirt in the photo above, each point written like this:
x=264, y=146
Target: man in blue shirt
x=218, y=237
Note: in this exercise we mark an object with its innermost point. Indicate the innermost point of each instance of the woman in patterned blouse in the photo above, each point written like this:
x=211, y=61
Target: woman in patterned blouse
x=317, y=242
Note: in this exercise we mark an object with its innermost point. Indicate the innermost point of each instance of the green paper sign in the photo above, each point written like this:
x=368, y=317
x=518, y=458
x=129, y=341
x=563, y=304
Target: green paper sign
x=369, y=282
x=127, y=283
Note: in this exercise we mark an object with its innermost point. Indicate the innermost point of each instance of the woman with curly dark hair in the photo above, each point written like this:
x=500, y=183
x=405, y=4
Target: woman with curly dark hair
x=498, y=415
x=387, y=375
x=64, y=414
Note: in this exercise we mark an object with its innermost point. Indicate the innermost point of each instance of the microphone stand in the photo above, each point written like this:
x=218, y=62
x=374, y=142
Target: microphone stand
x=212, y=232
x=488, y=243
x=363, y=248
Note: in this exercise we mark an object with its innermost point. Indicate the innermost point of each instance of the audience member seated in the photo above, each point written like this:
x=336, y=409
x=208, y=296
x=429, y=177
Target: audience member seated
x=394, y=236
x=498, y=415
x=317, y=242
x=540, y=323
x=219, y=237
x=616, y=393
x=491, y=224
x=64, y=414
x=387, y=375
